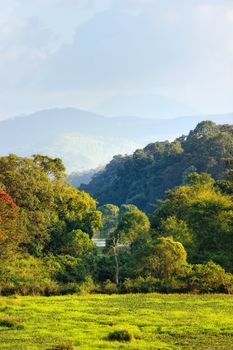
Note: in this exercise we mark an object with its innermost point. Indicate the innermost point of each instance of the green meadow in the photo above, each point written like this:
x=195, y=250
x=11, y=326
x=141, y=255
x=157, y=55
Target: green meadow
x=153, y=321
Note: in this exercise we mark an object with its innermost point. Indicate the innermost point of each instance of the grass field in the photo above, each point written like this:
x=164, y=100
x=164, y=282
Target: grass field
x=155, y=321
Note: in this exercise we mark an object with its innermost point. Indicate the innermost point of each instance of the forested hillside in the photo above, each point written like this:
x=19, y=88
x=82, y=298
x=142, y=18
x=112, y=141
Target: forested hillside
x=145, y=176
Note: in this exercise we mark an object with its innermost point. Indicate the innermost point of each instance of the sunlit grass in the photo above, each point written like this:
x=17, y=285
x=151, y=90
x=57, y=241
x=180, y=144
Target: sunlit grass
x=85, y=322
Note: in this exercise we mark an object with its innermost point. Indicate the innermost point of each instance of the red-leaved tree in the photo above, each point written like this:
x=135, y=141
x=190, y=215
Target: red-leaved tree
x=8, y=216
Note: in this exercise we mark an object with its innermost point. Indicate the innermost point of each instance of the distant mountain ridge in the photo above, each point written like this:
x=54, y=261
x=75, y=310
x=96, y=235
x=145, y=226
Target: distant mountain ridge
x=87, y=140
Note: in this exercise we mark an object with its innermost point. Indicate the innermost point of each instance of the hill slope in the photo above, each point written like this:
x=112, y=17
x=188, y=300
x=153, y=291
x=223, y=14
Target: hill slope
x=143, y=178
x=86, y=140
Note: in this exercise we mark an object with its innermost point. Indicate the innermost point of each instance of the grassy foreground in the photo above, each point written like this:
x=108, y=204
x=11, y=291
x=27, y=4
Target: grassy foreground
x=156, y=322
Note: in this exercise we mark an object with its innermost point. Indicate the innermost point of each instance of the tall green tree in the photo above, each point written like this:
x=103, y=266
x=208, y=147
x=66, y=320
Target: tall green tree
x=49, y=208
x=200, y=212
x=133, y=223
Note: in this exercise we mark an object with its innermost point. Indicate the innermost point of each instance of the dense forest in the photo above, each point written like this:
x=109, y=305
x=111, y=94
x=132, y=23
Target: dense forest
x=184, y=243
x=145, y=176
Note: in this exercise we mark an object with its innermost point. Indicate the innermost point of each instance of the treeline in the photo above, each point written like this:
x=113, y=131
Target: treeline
x=46, y=226
x=144, y=177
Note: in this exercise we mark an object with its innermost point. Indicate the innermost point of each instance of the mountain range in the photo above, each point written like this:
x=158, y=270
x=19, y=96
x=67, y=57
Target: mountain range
x=86, y=140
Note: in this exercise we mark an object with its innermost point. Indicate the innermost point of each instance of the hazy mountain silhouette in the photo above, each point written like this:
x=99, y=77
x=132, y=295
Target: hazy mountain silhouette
x=86, y=140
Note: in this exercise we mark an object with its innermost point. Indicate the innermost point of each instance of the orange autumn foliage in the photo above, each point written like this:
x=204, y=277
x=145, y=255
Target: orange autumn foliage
x=8, y=212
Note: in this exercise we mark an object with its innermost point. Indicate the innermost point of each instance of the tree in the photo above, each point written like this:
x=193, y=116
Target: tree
x=110, y=215
x=75, y=210
x=79, y=245
x=132, y=224
x=53, y=167
x=178, y=229
x=26, y=182
x=165, y=258
x=49, y=208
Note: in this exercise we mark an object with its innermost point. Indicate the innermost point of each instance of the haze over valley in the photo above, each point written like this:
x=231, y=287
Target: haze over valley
x=85, y=140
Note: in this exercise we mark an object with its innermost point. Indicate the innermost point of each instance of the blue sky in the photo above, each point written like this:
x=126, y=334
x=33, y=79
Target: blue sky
x=99, y=54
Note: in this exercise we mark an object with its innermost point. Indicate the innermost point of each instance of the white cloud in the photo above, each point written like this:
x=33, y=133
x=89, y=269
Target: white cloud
x=178, y=48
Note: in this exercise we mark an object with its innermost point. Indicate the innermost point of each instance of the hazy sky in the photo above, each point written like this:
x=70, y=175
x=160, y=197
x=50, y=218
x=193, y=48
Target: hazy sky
x=95, y=54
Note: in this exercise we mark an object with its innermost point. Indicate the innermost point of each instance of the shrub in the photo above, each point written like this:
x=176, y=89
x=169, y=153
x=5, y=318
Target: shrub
x=7, y=323
x=26, y=275
x=109, y=287
x=121, y=335
x=68, y=288
x=88, y=286
x=141, y=285
x=203, y=278
x=209, y=278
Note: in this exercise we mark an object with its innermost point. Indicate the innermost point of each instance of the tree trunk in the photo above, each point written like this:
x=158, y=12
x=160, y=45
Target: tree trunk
x=116, y=263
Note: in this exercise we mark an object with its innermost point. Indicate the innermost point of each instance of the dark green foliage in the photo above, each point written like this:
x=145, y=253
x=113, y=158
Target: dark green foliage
x=142, y=285
x=70, y=269
x=7, y=324
x=123, y=335
x=144, y=177
x=104, y=268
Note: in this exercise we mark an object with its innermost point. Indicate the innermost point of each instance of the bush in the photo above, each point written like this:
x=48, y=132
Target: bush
x=88, y=286
x=209, y=278
x=109, y=287
x=7, y=323
x=121, y=335
x=26, y=275
x=203, y=278
x=141, y=285
x=68, y=288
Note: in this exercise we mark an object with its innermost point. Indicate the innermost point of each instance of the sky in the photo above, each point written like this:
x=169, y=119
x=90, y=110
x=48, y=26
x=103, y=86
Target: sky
x=128, y=57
